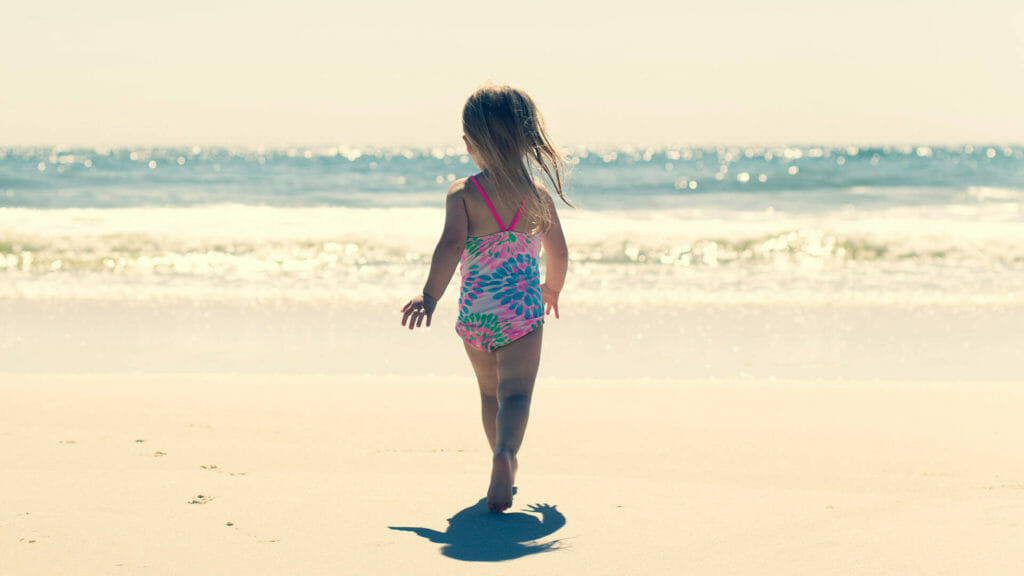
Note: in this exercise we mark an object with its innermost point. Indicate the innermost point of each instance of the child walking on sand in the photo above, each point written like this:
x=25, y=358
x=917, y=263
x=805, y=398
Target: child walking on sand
x=496, y=223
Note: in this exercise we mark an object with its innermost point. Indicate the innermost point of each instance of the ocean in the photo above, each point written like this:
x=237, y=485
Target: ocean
x=676, y=229
x=911, y=224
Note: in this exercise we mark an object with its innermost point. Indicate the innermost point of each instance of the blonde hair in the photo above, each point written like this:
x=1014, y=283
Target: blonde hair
x=507, y=130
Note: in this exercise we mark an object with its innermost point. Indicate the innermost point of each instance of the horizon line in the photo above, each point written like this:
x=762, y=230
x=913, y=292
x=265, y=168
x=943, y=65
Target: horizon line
x=575, y=145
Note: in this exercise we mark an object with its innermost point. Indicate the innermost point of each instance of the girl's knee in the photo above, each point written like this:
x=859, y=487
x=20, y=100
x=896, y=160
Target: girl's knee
x=516, y=399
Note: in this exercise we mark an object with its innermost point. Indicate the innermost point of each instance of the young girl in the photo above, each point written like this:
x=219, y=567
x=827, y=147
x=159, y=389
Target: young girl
x=496, y=223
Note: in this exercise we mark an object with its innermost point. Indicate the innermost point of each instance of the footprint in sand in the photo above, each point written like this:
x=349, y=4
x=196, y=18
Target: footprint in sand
x=201, y=499
x=215, y=468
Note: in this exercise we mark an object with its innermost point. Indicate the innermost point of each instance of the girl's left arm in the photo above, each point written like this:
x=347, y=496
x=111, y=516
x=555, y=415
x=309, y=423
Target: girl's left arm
x=446, y=258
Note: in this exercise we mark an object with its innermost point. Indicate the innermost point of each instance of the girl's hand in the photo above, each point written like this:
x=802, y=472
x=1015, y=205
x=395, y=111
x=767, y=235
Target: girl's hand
x=550, y=296
x=420, y=307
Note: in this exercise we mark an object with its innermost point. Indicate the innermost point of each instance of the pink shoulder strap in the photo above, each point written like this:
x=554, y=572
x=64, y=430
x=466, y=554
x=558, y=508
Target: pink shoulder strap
x=518, y=214
x=491, y=206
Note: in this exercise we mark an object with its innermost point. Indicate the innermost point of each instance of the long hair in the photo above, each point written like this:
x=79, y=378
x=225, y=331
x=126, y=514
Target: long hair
x=507, y=130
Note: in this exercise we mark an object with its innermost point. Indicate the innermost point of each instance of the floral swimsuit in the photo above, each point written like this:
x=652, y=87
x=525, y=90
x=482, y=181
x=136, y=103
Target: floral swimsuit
x=500, y=300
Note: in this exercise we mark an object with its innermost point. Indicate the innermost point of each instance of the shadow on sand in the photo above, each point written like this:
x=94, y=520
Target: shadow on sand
x=476, y=534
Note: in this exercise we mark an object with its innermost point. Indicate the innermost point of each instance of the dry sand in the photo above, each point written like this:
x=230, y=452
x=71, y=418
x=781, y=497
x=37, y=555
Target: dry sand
x=142, y=474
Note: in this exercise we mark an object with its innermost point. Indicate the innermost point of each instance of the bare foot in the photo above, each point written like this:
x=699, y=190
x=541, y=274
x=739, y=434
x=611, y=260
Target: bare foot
x=499, y=495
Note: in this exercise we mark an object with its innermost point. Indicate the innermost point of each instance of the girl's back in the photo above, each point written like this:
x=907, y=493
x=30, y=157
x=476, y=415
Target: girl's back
x=481, y=219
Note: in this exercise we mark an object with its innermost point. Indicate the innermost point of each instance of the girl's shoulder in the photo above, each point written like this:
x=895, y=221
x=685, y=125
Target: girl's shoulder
x=545, y=194
x=459, y=187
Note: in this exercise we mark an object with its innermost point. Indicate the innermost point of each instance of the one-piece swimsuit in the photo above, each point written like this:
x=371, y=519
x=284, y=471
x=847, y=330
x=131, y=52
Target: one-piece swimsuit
x=500, y=299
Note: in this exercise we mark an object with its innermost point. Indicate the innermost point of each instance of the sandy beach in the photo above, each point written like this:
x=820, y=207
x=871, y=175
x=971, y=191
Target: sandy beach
x=213, y=474
x=786, y=322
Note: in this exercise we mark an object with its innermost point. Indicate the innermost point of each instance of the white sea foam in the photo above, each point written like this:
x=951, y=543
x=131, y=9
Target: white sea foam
x=953, y=253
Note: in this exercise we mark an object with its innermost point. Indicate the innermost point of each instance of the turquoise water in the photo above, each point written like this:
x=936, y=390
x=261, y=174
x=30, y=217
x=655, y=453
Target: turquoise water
x=807, y=178
x=882, y=225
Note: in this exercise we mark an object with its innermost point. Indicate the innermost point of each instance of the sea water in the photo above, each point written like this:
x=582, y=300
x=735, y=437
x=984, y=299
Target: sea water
x=673, y=231
x=911, y=224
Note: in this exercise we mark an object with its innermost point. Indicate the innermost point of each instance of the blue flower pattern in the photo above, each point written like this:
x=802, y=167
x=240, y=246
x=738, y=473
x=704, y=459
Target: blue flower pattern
x=500, y=297
x=516, y=285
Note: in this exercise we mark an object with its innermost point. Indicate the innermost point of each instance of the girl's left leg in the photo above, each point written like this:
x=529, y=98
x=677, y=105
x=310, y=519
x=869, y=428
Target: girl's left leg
x=485, y=365
x=517, y=372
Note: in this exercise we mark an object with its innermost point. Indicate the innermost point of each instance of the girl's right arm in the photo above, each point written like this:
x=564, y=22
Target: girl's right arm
x=557, y=255
x=446, y=258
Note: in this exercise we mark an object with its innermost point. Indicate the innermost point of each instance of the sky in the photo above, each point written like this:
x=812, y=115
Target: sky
x=398, y=72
